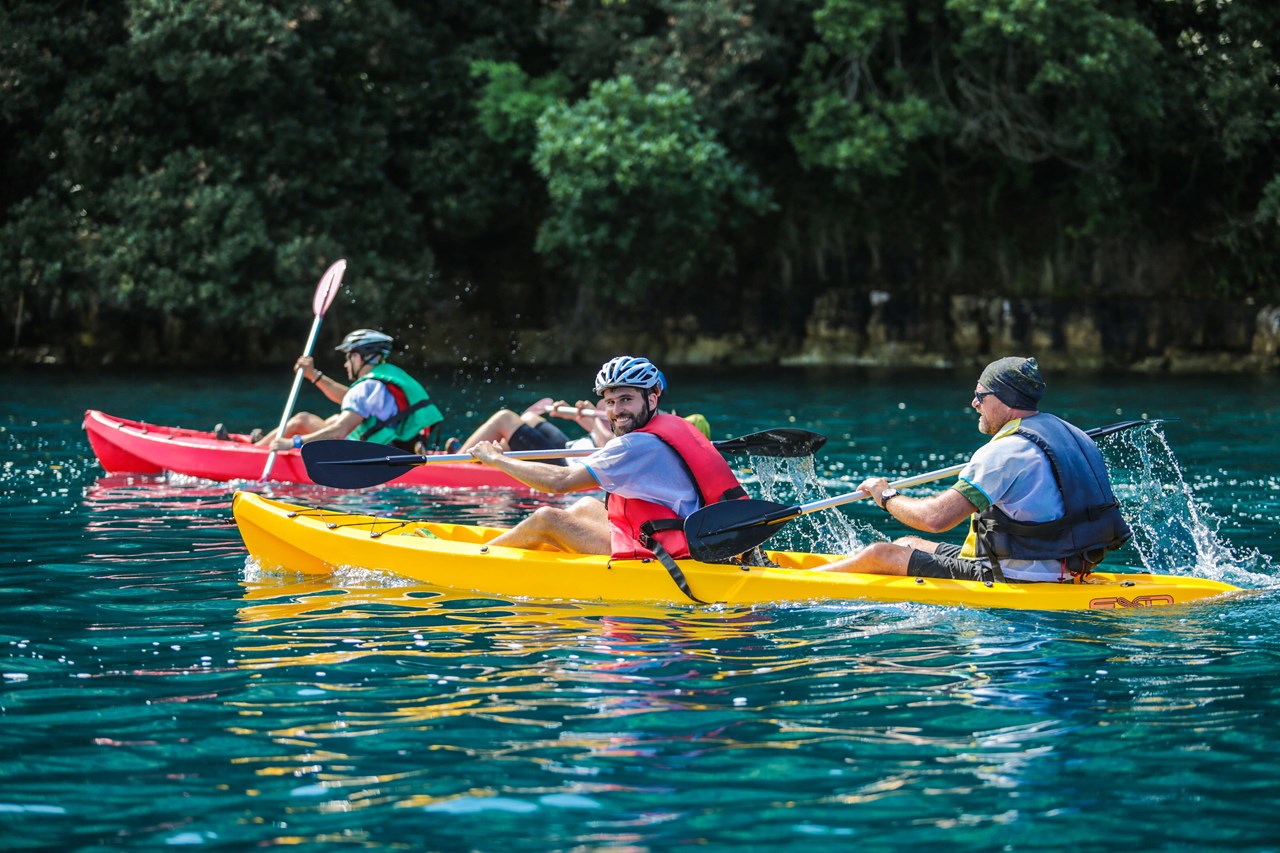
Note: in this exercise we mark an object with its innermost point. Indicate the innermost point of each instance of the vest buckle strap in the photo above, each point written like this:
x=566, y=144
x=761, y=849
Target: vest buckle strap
x=663, y=556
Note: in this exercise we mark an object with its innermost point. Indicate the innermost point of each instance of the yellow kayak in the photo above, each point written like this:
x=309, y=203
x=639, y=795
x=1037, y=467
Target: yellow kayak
x=311, y=540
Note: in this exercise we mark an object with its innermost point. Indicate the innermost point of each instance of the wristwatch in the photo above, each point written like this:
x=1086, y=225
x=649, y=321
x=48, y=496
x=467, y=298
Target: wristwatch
x=886, y=496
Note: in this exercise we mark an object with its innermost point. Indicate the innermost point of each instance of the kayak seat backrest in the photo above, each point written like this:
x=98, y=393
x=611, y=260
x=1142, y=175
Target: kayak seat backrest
x=454, y=532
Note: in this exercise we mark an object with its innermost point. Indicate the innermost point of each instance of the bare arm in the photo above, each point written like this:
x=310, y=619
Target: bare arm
x=933, y=514
x=555, y=479
x=330, y=387
x=339, y=426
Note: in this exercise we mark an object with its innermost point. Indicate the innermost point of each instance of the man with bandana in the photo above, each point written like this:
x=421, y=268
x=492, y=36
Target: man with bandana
x=1037, y=495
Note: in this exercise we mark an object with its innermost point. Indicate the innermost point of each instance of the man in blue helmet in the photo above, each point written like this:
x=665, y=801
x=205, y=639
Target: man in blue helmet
x=532, y=429
x=382, y=403
x=657, y=469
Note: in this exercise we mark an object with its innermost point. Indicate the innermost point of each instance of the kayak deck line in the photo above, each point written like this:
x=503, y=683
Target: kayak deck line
x=316, y=541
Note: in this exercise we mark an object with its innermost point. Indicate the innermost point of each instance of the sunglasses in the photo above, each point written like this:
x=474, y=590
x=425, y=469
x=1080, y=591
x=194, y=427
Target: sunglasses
x=979, y=396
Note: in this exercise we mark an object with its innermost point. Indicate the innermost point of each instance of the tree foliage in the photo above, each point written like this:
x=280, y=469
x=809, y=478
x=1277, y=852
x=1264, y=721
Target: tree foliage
x=195, y=166
x=638, y=190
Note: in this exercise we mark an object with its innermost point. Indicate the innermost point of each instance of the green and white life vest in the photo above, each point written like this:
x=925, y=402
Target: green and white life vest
x=415, y=413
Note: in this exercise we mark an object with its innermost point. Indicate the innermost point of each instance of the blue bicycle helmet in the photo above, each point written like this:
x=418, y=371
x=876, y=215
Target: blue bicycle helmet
x=629, y=371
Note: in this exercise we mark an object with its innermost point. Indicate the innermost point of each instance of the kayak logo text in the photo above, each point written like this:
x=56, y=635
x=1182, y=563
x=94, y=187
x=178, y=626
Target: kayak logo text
x=1119, y=602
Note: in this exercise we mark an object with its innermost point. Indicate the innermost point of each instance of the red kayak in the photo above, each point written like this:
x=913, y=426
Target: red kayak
x=133, y=447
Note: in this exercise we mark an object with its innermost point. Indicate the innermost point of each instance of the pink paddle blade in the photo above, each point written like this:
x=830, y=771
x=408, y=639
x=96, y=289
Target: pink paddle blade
x=328, y=287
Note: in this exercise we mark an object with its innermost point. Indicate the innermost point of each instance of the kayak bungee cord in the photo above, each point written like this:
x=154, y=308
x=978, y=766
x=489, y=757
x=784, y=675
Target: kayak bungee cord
x=318, y=513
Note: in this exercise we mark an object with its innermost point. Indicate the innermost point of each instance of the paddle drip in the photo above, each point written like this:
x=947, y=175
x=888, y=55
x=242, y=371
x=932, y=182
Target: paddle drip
x=1173, y=531
x=789, y=481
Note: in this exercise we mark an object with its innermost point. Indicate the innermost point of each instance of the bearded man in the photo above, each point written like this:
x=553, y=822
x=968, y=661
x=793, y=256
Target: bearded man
x=656, y=470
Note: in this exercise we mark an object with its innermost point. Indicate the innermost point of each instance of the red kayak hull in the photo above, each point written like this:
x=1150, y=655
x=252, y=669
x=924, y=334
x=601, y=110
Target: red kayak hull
x=134, y=447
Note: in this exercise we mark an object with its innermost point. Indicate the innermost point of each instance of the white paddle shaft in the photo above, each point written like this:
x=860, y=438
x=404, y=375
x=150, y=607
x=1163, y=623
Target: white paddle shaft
x=293, y=397
x=572, y=410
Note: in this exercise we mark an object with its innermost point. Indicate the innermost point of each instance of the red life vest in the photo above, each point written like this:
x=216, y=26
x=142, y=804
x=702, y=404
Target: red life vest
x=633, y=522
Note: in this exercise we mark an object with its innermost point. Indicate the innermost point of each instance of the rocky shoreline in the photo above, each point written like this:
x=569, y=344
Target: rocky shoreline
x=883, y=330
x=875, y=329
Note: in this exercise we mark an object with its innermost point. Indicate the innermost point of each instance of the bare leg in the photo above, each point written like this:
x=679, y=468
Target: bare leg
x=301, y=423
x=883, y=558
x=499, y=427
x=581, y=529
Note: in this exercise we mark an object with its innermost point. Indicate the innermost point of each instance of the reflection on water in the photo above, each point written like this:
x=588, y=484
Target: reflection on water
x=368, y=693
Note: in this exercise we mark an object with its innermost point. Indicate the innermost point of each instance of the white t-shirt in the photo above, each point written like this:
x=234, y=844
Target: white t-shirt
x=370, y=397
x=1014, y=474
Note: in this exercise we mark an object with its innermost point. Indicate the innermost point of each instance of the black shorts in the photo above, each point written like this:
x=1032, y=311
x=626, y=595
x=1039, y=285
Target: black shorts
x=946, y=562
x=544, y=436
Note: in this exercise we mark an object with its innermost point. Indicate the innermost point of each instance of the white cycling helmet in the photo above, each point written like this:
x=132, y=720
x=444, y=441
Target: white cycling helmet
x=367, y=342
x=629, y=371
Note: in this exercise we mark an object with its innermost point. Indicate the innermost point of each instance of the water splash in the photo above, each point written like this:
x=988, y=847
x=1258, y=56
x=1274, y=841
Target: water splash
x=795, y=481
x=1173, y=531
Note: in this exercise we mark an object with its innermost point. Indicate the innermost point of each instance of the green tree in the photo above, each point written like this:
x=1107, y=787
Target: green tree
x=169, y=171
x=866, y=95
x=1218, y=150
x=993, y=141
x=642, y=196
x=201, y=163
x=510, y=104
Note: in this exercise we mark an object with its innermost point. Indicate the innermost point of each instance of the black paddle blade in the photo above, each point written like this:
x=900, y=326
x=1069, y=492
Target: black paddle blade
x=784, y=442
x=354, y=464
x=728, y=528
x=1099, y=432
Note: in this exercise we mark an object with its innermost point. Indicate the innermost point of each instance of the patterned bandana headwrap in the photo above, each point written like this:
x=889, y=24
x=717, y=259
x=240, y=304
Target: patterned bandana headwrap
x=1016, y=381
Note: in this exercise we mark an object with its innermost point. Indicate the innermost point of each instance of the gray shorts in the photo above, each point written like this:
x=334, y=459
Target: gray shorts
x=946, y=562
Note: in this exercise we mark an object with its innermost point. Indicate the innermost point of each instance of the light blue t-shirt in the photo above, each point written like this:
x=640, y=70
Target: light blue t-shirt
x=370, y=397
x=1014, y=474
x=641, y=465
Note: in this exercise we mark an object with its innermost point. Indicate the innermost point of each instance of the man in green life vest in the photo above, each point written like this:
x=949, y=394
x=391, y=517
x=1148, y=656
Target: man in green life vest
x=383, y=404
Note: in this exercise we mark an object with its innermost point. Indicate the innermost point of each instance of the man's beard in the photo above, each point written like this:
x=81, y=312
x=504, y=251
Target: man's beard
x=622, y=426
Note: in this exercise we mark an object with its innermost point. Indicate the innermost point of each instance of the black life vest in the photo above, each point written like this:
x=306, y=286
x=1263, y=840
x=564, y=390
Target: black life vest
x=1091, y=524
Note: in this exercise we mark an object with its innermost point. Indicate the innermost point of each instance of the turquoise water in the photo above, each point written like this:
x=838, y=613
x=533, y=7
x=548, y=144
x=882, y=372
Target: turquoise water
x=161, y=690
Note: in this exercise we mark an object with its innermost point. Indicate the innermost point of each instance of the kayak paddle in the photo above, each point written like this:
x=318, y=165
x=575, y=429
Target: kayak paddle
x=347, y=464
x=326, y=290
x=574, y=410
x=726, y=529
